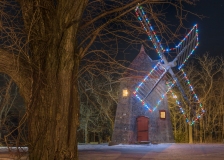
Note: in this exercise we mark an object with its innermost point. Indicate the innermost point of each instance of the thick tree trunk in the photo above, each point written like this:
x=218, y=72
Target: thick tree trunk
x=53, y=103
x=53, y=117
x=222, y=128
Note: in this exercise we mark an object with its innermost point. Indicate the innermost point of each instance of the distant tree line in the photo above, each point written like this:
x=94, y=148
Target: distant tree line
x=207, y=78
x=99, y=98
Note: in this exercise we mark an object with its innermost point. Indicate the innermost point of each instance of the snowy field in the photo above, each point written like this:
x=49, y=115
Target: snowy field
x=12, y=153
x=164, y=151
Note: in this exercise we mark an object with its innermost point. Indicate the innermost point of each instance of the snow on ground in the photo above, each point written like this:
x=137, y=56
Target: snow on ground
x=162, y=151
x=105, y=146
x=12, y=153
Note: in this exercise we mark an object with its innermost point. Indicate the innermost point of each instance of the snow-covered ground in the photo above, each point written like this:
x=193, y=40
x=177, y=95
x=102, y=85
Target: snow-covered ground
x=105, y=146
x=12, y=153
x=166, y=151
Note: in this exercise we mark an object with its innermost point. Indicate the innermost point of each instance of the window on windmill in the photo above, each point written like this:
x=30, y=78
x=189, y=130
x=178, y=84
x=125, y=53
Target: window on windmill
x=125, y=92
x=162, y=114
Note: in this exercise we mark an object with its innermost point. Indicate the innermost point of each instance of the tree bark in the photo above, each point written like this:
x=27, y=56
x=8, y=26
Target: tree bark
x=54, y=106
x=51, y=95
x=53, y=119
x=19, y=70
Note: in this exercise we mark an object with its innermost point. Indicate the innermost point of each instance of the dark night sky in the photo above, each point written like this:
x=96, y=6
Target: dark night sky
x=211, y=29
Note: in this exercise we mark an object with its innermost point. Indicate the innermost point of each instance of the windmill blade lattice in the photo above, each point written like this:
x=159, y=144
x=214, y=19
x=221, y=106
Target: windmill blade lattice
x=152, y=35
x=194, y=100
x=184, y=50
x=186, y=47
x=149, y=29
x=150, y=82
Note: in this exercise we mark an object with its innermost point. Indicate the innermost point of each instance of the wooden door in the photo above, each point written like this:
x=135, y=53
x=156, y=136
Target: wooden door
x=142, y=128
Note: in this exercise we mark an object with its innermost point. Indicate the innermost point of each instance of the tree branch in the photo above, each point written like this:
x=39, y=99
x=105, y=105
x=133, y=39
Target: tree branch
x=15, y=67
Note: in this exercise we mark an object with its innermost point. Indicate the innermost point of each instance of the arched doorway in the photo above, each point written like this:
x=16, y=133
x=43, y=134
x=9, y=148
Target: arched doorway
x=142, y=129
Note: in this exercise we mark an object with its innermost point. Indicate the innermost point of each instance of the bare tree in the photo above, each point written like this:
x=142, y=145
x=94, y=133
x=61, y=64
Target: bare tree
x=43, y=43
x=6, y=103
x=210, y=88
x=98, y=106
x=11, y=111
x=206, y=74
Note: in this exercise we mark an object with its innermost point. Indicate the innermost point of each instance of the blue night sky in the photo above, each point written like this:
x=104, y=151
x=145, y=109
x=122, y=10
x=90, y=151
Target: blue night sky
x=211, y=28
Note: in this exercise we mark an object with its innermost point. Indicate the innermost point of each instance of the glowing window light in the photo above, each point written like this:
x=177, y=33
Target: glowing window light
x=125, y=93
x=162, y=114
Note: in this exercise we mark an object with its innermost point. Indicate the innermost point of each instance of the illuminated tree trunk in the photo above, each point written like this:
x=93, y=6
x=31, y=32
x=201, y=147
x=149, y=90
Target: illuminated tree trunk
x=222, y=111
x=86, y=132
x=53, y=119
x=175, y=126
x=53, y=103
x=190, y=134
x=223, y=128
x=187, y=132
x=201, y=130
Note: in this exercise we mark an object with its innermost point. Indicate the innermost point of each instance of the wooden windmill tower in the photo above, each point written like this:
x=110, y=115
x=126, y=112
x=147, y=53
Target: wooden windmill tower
x=147, y=86
x=134, y=123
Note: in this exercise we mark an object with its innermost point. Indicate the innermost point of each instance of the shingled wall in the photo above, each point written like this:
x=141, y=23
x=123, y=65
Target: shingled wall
x=129, y=108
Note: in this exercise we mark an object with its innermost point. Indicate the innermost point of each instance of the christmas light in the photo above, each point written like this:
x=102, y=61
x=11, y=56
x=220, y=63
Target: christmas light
x=146, y=77
x=198, y=116
x=163, y=96
x=157, y=66
x=191, y=39
x=193, y=28
x=157, y=44
x=180, y=107
x=150, y=31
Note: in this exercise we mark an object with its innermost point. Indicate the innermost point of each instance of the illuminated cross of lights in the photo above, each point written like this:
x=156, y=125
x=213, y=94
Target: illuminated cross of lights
x=184, y=50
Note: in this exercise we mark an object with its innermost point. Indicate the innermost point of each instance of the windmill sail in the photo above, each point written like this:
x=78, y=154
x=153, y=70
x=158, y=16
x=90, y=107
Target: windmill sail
x=159, y=49
x=147, y=89
x=149, y=30
x=186, y=47
x=194, y=108
x=152, y=83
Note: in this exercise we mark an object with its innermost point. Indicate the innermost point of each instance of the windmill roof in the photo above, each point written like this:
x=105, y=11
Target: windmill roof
x=141, y=65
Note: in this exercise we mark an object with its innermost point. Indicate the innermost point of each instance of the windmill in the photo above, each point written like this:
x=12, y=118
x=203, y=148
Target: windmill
x=164, y=69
